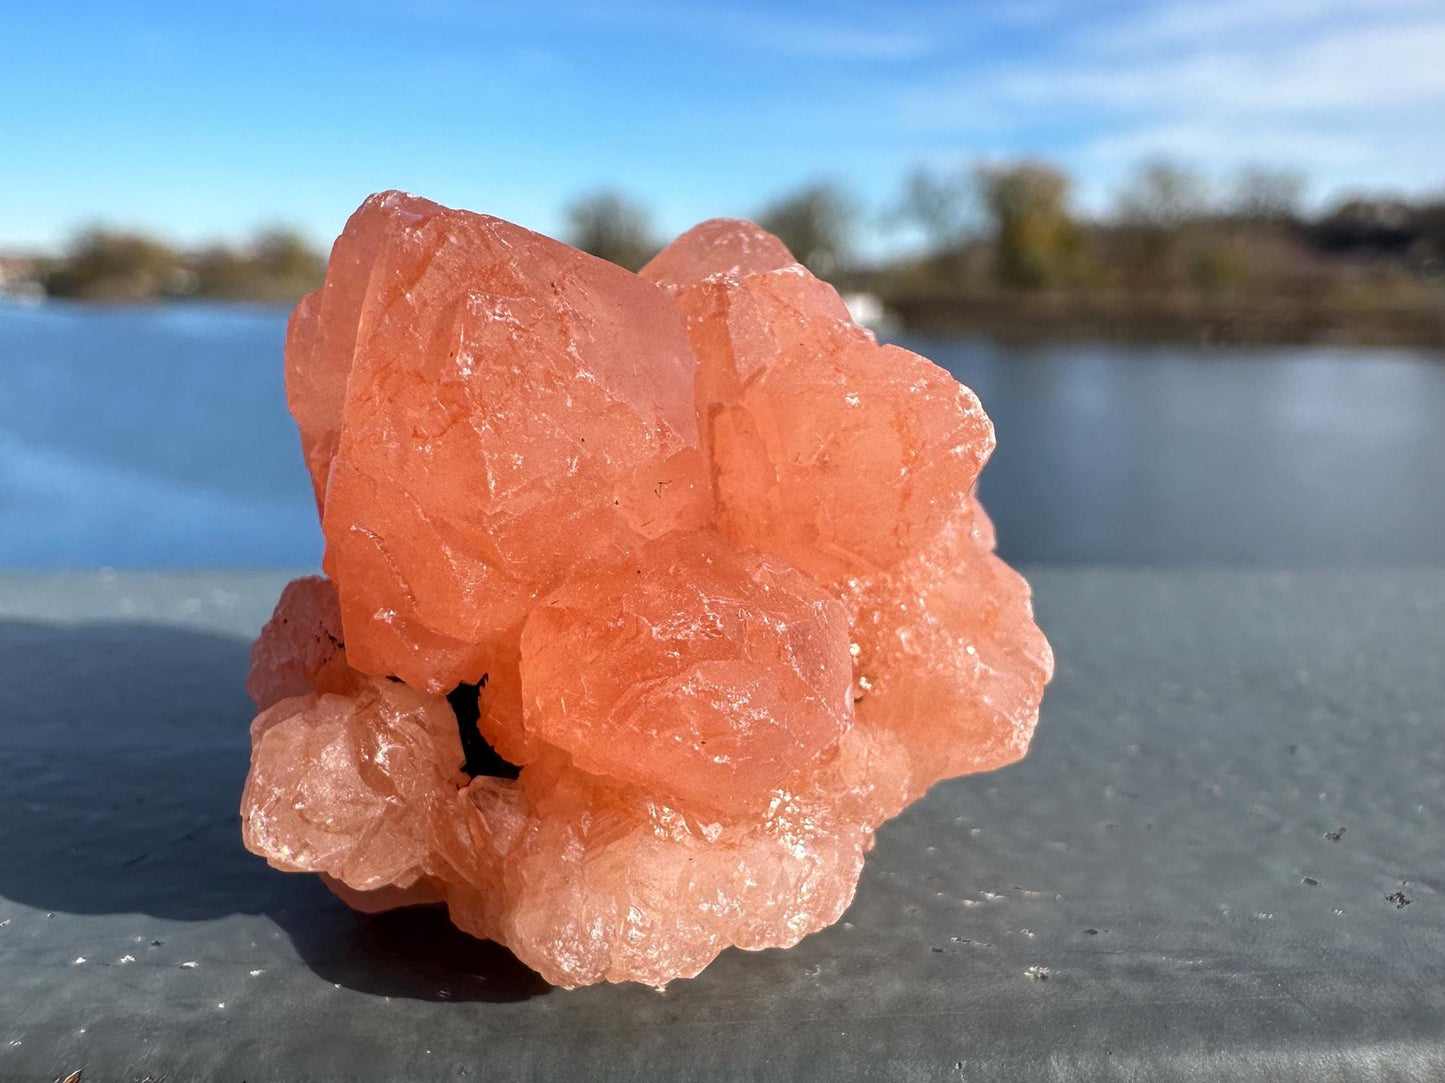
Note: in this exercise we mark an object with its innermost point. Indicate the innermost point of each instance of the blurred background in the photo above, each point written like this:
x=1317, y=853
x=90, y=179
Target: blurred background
x=1190, y=254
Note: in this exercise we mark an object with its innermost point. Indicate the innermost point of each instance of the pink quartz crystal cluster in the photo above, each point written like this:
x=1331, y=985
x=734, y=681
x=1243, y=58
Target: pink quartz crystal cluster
x=647, y=598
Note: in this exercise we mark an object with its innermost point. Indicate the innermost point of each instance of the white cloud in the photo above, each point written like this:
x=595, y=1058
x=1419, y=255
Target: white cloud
x=1340, y=89
x=1192, y=22
x=1387, y=67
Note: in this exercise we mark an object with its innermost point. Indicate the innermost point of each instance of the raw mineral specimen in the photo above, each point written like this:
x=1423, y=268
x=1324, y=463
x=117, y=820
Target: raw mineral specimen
x=648, y=597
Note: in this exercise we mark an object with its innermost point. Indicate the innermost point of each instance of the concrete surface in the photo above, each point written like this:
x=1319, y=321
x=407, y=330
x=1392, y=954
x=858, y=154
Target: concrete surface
x=1222, y=859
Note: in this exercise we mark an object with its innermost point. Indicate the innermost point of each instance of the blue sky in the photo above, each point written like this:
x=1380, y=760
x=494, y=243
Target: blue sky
x=201, y=121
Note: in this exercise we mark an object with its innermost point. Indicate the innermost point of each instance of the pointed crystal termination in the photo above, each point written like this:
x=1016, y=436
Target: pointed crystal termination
x=648, y=597
x=509, y=409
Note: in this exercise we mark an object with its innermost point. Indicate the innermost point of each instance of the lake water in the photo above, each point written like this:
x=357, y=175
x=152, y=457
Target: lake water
x=158, y=437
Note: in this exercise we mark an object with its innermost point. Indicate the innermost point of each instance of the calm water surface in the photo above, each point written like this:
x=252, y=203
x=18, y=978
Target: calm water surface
x=1276, y=456
x=158, y=437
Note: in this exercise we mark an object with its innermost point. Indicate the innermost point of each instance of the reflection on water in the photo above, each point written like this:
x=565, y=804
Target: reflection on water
x=158, y=437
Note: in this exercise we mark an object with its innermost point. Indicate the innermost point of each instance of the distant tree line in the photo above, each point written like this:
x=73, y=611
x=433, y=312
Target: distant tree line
x=277, y=266
x=1012, y=231
x=999, y=237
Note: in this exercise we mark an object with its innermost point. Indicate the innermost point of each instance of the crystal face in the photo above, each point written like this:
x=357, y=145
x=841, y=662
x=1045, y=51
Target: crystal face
x=648, y=597
x=839, y=455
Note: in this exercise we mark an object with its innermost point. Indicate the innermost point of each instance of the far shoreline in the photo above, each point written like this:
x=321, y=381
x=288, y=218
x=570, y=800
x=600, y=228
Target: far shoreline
x=1012, y=318
x=1148, y=319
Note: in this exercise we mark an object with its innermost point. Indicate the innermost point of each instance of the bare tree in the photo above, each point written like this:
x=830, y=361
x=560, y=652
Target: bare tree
x=816, y=224
x=612, y=227
x=942, y=206
x=1264, y=194
x=1163, y=195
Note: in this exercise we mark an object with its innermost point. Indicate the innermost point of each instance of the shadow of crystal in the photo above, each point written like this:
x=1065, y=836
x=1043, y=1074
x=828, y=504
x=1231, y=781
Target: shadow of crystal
x=123, y=750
